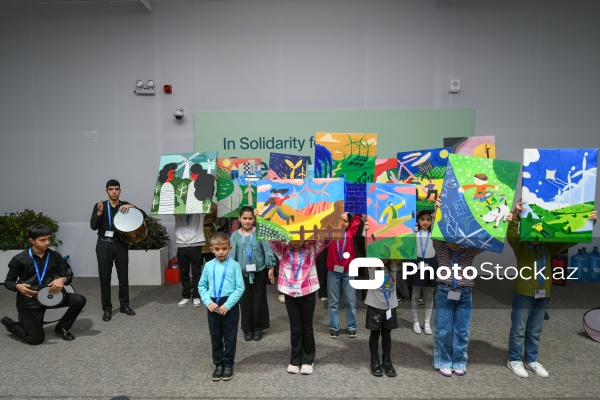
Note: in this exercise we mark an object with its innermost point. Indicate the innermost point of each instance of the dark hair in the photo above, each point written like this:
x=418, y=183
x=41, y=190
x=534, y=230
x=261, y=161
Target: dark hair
x=163, y=174
x=113, y=182
x=196, y=169
x=246, y=209
x=37, y=230
x=422, y=213
x=483, y=177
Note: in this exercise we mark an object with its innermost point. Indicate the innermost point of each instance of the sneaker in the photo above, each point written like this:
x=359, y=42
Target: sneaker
x=292, y=369
x=427, y=329
x=323, y=298
x=421, y=302
x=197, y=302
x=333, y=334
x=447, y=372
x=417, y=328
x=400, y=301
x=306, y=369
x=538, y=369
x=351, y=334
x=281, y=298
x=517, y=368
x=183, y=302
x=458, y=372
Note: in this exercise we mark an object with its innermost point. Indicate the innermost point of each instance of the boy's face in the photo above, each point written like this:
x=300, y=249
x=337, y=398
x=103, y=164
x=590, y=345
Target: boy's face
x=113, y=192
x=40, y=244
x=220, y=250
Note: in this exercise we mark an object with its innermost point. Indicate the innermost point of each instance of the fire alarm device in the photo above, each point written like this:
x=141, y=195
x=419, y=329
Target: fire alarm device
x=168, y=89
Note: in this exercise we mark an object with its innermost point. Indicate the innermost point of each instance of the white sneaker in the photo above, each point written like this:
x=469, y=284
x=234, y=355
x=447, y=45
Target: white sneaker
x=306, y=369
x=183, y=302
x=197, y=302
x=417, y=328
x=517, y=368
x=538, y=369
x=292, y=369
x=427, y=329
x=281, y=298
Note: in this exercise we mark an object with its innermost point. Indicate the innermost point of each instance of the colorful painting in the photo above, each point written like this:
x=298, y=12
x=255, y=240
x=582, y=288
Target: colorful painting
x=355, y=198
x=287, y=166
x=236, y=185
x=185, y=183
x=476, y=197
x=386, y=170
x=426, y=170
x=559, y=187
x=391, y=211
x=478, y=146
x=300, y=209
x=346, y=155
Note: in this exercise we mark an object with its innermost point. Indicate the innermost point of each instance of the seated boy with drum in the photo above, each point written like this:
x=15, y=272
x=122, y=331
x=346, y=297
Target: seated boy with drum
x=29, y=272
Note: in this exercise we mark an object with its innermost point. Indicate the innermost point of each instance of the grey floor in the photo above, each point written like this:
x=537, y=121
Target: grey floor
x=164, y=353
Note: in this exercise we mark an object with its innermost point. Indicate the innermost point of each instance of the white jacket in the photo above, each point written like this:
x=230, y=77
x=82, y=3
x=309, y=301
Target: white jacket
x=191, y=234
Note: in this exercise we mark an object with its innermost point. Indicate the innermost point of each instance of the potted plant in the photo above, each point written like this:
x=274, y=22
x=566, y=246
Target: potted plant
x=14, y=228
x=148, y=258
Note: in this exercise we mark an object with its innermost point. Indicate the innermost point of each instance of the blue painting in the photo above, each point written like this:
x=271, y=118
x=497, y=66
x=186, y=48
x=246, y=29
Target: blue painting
x=355, y=198
x=287, y=166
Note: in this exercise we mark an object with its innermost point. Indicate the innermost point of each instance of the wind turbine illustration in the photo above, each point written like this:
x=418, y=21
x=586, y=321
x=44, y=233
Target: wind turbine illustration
x=249, y=191
x=368, y=145
x=210, y=165
x=357, y=143
x=187, y=163
x=584, y=173
x=308, y=191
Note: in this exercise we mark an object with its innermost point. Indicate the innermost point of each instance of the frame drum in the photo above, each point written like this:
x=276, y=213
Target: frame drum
x=591, y=323
x=130, y=226
x=55, y=314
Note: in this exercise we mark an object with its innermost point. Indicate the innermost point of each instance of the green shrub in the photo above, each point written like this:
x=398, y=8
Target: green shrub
x=157, y=236
x=14, y=228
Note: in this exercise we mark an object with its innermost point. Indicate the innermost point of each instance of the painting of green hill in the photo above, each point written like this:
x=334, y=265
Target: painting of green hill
x=567, y=224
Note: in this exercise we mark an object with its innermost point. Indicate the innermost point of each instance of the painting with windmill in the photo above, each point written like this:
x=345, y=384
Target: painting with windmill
x=559, y=187
x=236, y=184
x=392, y=218
x=287, y=166
x=425, y=169
x=476, y=197
x=346, y=155
x=300, y=209
x=185, y=183
x=478, y=146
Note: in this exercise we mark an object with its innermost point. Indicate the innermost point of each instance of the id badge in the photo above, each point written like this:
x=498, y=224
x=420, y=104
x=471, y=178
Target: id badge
x=454, y=295
x=540, y=294
x=338, y=268
x=109, y=233
x=250, y=267
x=295, y=288
x=388, y=314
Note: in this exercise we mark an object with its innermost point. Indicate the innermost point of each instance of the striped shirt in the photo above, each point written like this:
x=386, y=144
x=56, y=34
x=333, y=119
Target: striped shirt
x=307, y=278
x=467, y=254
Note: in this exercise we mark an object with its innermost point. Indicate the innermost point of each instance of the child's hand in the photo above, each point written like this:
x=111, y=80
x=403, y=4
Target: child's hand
x=222, y=310
x=212, y=307
x=509, y=217
x=461, y=190
x=417, y=228
x=594, y=216
x=366, y=226
x=256, y=212
x=271, y=275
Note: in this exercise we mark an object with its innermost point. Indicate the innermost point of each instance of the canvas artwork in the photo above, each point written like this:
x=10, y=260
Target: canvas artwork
x=185, y=183
x=287, y=166
x=476, y=197
x=355, y=198
x=386, y=170
x=426, y=170
x=236, y=184
x=300, y=209
x=559, y=187
x=478, y=146
x=391, y=215
x=346, y=155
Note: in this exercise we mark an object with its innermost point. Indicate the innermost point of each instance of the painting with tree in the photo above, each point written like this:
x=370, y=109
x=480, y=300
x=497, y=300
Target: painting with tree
x=478, y=146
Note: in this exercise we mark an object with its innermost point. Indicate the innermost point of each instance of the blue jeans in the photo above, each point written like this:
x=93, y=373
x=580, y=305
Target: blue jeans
x=451, y=329
x=527, y=319
x=335, y=281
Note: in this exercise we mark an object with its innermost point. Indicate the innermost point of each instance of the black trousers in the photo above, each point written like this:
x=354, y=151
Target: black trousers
x=321, y=263
x=107, y=253
x=31, y=321
x=190, y=258
x=253, y=304
x=300, y=312
x=223, y=334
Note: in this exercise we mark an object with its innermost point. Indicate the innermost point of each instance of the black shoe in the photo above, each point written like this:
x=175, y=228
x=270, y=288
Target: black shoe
x=7, y=322
x=218, y=373
x=388, y=368
x=127, y=310
x=66, y=335
x=107, y=315
x=546, y=315
x=248, y=336
x=227, y=373
x=258, y=335
x=375, y=366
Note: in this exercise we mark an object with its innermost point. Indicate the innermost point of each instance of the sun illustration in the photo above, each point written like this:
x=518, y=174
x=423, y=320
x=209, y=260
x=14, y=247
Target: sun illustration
x=444, y=153
x=226, y=162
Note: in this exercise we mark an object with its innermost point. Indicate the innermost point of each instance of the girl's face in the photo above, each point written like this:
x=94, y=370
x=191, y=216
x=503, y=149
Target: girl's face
x=425, y=221
x=247, y=220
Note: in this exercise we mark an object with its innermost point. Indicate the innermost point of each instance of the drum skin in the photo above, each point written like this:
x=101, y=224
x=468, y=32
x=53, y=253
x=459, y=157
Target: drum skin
x=55, y=314
x=130, y=226
x=591, y=323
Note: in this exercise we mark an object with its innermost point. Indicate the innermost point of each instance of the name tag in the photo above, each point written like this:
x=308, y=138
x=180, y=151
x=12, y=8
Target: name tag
x=295, y=288
x=540, y=294
x=338, y=268
x=454, y=295
x=388, y=314
x=109, y=233
x=250, y=267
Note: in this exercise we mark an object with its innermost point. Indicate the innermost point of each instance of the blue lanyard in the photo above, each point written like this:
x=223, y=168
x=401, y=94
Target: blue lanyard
x=424, y=248
x=341, y=251
x=539, y=263
x=187, y=217
x=37, y=271
x=248, y=252
x=299, y=263
x=218, y=296
x=452, y=262
x=387, y=295
x=109, y=217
